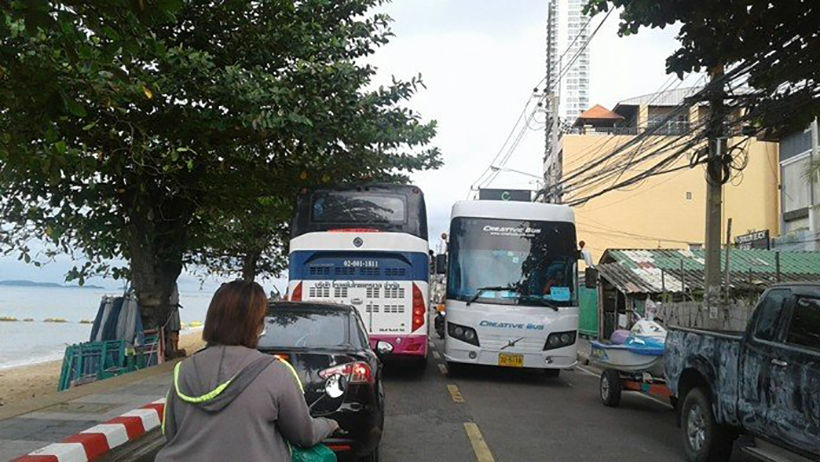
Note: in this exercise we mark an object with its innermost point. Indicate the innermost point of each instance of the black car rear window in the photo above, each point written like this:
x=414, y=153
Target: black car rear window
x=304, y=328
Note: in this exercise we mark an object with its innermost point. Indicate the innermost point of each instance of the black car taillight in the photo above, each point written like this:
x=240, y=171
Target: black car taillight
x=463, y=333
x=358, y=372
x=560, y=340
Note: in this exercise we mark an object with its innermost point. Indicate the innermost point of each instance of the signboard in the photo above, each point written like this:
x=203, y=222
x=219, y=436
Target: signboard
x=753, y=240
x=521, y=195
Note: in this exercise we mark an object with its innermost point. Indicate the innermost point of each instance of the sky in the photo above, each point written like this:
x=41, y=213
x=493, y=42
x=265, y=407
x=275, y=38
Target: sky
x=480, y=60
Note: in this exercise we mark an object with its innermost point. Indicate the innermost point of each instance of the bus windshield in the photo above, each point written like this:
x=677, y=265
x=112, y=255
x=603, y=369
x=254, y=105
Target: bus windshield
x=521, y=262
x=378, y=207
x=355, y=207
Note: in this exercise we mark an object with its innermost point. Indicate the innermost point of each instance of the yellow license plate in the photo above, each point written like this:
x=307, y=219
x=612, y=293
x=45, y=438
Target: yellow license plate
x=510, y=360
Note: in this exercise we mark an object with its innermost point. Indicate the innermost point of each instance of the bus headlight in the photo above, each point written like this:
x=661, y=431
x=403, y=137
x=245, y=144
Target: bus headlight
x=560, y=340
x=463, y=333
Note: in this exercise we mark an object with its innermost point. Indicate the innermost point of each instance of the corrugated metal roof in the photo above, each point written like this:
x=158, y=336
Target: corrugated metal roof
x=671, y=270
x=665, y=98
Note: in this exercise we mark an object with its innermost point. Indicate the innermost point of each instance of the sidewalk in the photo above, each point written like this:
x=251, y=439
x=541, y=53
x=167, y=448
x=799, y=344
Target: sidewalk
x=119, y=409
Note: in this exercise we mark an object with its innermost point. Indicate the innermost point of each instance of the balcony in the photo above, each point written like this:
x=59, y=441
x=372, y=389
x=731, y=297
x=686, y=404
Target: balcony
x=671, y=127
x=590, y=130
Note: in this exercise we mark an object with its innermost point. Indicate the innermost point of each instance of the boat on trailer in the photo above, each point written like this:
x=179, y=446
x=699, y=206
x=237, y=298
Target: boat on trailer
x=634, y=355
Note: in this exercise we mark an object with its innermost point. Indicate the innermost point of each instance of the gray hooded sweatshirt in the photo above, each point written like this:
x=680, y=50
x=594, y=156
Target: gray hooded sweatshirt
x=237, y=404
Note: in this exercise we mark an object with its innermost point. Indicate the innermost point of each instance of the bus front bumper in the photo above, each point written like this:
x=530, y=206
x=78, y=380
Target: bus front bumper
x=560, y=358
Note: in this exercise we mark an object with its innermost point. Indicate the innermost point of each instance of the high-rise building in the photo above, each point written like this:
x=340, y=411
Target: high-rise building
x=567, y=79
x=575, y=63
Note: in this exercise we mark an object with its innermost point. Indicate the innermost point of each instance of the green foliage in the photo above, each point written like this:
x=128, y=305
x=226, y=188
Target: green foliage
x=164, y=131
x=778, y=41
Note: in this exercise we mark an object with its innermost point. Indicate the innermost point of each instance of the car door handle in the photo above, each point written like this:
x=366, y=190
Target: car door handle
x=779, y=362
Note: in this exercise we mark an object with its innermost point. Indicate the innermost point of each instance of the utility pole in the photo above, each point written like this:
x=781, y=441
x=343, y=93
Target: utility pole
x=726, y=268
x=714, y=191
x=552, y=173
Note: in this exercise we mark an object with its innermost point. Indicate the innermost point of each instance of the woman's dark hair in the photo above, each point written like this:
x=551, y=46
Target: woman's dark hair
x=235, y=314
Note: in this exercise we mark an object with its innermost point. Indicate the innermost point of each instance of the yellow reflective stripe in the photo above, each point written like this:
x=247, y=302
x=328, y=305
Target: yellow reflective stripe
x=292, y=371
x=197, y=399
x=165, y=410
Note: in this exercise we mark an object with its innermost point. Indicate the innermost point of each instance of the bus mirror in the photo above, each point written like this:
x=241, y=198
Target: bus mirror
x=590, y=278
x=441, y=263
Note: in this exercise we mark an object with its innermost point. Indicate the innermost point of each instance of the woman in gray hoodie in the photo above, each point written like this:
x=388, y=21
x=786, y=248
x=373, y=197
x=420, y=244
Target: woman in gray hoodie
x=229, y=401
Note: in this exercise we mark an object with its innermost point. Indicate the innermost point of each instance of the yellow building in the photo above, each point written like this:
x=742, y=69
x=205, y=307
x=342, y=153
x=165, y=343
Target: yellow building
x=665, y=211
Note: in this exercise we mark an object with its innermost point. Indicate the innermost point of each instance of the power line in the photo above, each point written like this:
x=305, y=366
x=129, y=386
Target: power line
x=487, y=176
x=613, y=231
x=501, y=149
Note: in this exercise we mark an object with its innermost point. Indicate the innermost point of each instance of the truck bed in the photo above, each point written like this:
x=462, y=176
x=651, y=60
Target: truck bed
x=734, y=334
x=713, y=354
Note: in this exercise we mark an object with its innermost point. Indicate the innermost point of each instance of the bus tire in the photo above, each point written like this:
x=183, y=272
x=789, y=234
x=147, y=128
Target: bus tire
x=421, y=364
x=552, y=373
x=453, y=369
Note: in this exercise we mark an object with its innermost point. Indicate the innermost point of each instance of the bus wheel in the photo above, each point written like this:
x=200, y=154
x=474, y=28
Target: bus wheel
x=453, y=369
x=421, y=364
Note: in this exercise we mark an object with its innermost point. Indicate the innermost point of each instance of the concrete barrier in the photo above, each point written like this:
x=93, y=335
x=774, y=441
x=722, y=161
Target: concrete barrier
x=94, y=442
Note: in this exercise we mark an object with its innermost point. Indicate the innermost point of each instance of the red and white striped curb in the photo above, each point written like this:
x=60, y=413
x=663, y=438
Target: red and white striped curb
x=92, y=443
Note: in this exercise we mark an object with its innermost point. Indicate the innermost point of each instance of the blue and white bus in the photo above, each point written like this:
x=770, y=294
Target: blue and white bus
x=366, y=246
x=512, y=285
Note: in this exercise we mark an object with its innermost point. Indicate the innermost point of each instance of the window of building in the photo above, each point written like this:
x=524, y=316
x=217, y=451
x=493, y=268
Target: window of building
x=794, y=184
x=689, y=195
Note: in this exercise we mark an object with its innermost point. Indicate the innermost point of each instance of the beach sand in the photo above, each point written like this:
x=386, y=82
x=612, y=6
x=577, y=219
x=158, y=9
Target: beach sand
x=27, y=382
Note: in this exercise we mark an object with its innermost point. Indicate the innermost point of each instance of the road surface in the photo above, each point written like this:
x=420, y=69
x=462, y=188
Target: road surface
x=492, y=414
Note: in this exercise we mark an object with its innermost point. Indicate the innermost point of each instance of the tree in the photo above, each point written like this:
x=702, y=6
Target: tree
x=135, y=128
x=248, y=241
x=773, y=47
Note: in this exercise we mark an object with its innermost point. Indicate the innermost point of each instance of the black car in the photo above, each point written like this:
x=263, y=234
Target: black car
x=324, y=342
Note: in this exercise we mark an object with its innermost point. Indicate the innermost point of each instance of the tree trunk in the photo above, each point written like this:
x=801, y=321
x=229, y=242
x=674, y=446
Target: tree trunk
x=153, y=278
x=155, y=250
x=249, y=267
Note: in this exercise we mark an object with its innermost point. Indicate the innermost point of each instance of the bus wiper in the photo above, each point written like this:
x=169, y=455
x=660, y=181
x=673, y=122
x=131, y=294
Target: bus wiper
x=539, y=299
x=479, y=291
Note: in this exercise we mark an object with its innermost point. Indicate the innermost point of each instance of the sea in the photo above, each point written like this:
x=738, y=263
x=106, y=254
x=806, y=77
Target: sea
x=23, y=343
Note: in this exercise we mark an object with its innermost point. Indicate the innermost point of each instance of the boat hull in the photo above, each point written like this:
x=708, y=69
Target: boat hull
x=623, y=358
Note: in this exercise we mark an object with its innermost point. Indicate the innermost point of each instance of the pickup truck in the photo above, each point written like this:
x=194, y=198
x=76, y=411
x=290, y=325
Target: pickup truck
x=764, y=381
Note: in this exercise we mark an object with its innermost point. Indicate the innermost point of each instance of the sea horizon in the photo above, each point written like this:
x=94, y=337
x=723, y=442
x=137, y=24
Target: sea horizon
x=24, y=343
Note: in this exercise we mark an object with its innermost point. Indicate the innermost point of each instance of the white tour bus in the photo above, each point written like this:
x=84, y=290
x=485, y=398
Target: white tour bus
x=512, y=285
x=366, y=246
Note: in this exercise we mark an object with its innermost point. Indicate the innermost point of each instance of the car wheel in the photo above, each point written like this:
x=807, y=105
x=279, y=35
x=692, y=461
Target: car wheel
x=704, y=440
x=372, y=457
x=552, y=373
x=610, y=387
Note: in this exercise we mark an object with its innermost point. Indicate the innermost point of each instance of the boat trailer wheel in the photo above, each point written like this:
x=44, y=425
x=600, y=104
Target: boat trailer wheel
x=610, y=386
